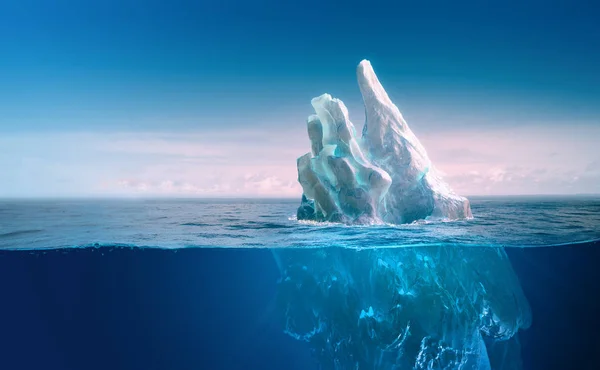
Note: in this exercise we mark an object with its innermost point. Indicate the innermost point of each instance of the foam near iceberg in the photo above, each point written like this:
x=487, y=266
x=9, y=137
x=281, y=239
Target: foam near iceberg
x=383, y=176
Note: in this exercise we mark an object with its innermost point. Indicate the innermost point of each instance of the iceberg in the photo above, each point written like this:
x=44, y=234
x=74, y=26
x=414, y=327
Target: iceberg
x=442, y=306
x=383, y=176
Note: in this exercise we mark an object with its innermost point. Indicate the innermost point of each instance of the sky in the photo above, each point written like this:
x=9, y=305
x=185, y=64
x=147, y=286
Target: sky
x=210, y=98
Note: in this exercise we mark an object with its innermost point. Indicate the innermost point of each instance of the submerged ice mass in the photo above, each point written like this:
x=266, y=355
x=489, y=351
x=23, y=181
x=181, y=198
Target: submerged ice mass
x=452, y=308
x=383, y=176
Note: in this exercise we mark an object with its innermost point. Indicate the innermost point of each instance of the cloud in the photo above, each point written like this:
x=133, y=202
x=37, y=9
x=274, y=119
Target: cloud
x=593, y=167
x=247, y=162
x=249, y=185
x=465, y=155
x=523, y=180
x=519, y=160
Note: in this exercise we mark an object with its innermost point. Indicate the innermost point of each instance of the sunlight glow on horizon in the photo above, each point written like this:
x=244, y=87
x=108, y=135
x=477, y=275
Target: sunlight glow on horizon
x=248, y=163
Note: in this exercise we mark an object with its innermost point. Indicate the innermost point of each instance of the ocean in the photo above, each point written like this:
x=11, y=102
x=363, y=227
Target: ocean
x=241, y=284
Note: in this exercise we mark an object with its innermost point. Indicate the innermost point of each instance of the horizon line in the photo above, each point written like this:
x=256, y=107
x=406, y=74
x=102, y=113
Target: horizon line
x=228, y=197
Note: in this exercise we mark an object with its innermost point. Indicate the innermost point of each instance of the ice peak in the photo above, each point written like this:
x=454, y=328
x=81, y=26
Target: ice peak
x=370, y=87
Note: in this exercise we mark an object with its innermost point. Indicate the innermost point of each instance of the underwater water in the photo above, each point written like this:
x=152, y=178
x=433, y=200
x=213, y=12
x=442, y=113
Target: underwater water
x=241, y=284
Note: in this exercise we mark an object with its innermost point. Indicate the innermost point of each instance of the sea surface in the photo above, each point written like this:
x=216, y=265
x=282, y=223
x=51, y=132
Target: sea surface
x=194, y=283
x=255, y=223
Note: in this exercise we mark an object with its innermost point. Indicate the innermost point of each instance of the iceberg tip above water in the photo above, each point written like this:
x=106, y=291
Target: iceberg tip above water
x=383, y=176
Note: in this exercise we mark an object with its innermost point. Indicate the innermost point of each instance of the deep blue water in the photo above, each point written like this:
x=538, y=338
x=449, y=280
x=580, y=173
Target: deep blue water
x=216, y=308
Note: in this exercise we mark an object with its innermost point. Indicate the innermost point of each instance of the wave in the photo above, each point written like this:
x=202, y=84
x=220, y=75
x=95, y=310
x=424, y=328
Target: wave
x=11, y=234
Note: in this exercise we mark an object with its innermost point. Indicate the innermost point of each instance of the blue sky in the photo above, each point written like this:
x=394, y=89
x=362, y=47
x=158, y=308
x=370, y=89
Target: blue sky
x=210, y=98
